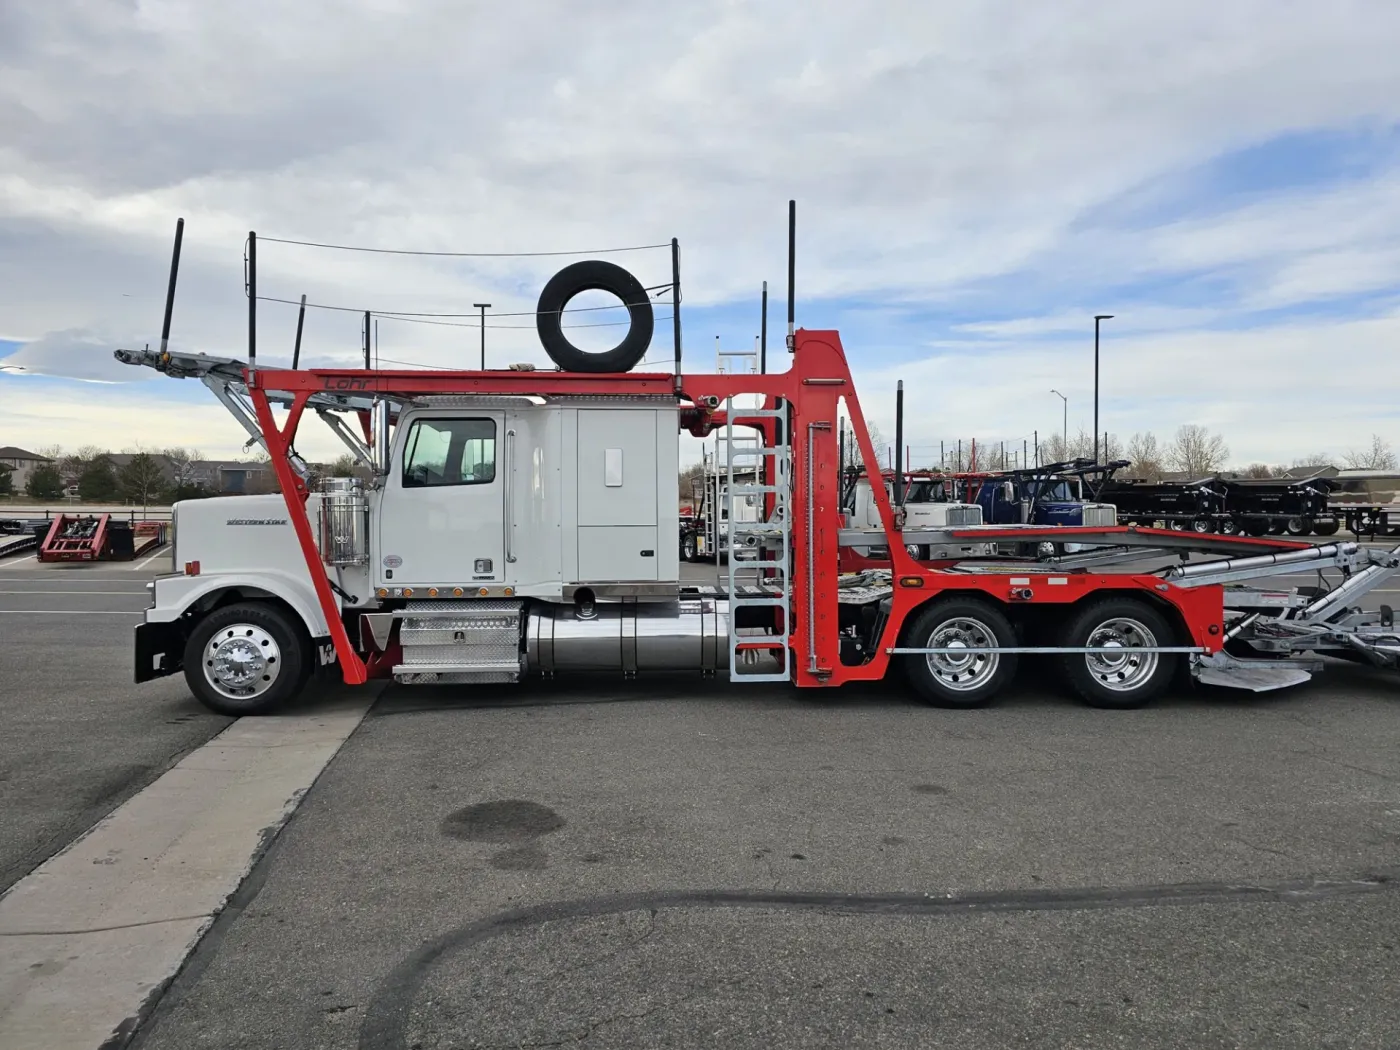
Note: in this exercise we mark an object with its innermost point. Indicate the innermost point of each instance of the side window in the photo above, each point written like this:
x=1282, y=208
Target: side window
x=450, y=452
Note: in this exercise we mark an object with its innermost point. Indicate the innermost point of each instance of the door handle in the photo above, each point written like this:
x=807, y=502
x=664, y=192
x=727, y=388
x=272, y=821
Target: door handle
x=510, y=495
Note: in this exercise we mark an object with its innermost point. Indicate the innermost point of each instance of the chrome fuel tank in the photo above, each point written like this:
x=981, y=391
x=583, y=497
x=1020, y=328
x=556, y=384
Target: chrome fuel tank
x=688, y=635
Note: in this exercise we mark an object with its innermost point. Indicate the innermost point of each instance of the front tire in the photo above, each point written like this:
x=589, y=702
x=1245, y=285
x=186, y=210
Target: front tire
x=950, y=680
x=688, y=548
x=1113, y=681
x=245, y=659
x=1326, y=527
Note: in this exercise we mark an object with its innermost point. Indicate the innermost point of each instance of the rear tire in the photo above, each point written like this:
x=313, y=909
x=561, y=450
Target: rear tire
x=1299, y=526
x=1326, y=527
x=1256, y=526
x=246, y=659
x=689, y=549
x=1114, y=682
x=949, y=680
x=1201, y=525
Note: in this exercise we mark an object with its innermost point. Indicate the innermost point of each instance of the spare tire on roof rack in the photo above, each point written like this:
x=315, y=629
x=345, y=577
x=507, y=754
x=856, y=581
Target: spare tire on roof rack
x=594, y=275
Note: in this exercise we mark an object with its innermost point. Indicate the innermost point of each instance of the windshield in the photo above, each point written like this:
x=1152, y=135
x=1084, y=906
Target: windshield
x=1055, y=489
x=927, y=492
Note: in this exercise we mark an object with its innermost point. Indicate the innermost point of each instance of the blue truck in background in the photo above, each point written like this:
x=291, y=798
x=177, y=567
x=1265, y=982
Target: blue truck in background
x=1049, y=495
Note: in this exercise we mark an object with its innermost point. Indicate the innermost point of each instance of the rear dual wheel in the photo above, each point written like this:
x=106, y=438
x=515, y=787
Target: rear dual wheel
x=957, y=678
x=1122, y=676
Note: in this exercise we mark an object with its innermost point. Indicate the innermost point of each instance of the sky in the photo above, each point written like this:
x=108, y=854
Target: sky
x=974, y=183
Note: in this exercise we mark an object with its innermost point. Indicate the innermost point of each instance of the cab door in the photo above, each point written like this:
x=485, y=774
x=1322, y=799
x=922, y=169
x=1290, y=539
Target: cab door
x=442, y=514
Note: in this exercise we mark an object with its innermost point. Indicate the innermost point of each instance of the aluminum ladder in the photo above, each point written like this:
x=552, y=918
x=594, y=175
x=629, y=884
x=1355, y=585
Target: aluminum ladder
x=763, y=578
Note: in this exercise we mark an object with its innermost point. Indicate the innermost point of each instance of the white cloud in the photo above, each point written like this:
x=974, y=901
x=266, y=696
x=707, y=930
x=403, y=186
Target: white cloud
x=76, y=353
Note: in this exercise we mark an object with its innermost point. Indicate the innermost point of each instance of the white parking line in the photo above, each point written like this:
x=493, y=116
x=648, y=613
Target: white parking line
x=78, y=594
x=95, y=929
x=72, y=612
x=160, y=553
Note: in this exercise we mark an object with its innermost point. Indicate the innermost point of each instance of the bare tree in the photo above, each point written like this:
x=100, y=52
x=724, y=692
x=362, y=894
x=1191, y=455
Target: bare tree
x=183, y=464
x=1258, y=470
x=1196, y=452
x=1316, y=459
x=79, y=461
x=1146, y=456
x=1376, y=456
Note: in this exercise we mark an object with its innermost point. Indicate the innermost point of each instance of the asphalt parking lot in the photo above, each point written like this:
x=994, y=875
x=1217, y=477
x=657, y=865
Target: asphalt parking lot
x=670, y=863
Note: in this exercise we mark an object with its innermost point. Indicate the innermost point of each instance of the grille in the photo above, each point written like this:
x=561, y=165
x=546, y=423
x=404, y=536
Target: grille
x=1100, y=514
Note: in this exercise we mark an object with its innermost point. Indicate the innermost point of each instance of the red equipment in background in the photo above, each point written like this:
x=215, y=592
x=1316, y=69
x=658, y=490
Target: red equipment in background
x=100, y=537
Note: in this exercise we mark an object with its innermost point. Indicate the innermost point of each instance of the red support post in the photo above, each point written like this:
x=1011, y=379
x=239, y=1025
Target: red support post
x=279, y=444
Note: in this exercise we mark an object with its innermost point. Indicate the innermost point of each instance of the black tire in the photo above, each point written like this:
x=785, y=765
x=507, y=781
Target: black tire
x=1326, y=527
x=1118, y=685
x=1229, y=527
x=689, y=549
x=280, y=643
x=1298, y=526
x=594, y=275
x=1255, y=526
x=1201, y=525
x=960, y=682
x=1177, y=525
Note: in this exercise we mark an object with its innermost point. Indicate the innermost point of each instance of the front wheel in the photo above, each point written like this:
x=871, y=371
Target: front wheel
x=1118, y=677
x=245, y=659
x=688, y=548
x=955, y=679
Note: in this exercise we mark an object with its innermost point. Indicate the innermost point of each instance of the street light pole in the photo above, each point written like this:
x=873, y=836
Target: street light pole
x=483, y=307
x=1097, y=319
x=1064, y=449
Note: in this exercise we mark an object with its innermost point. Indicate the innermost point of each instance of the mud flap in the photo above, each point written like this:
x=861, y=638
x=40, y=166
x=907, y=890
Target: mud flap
x=160, y=650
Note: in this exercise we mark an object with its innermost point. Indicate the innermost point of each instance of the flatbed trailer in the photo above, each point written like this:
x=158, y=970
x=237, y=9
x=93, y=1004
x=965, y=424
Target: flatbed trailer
x=522, y=525
x=99, y=537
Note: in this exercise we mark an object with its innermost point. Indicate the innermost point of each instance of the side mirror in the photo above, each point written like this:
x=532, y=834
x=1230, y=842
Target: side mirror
x=1008, y=491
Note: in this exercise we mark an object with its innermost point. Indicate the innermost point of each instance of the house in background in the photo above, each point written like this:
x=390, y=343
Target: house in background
x=232, y=477
x=21, y=464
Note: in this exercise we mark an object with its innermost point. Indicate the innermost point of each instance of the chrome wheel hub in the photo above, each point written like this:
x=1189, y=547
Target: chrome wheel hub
x=963, y=672
x=242, y=661
x=1123, y=669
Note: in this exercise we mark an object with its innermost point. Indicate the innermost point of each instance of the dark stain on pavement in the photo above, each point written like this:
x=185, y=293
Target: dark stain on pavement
x=521, y=858
x=506, y=822
x=930, y=789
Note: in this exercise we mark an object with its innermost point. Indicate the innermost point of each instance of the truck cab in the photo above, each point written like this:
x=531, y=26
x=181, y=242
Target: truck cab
x=1038, y=500
x=929, y=503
